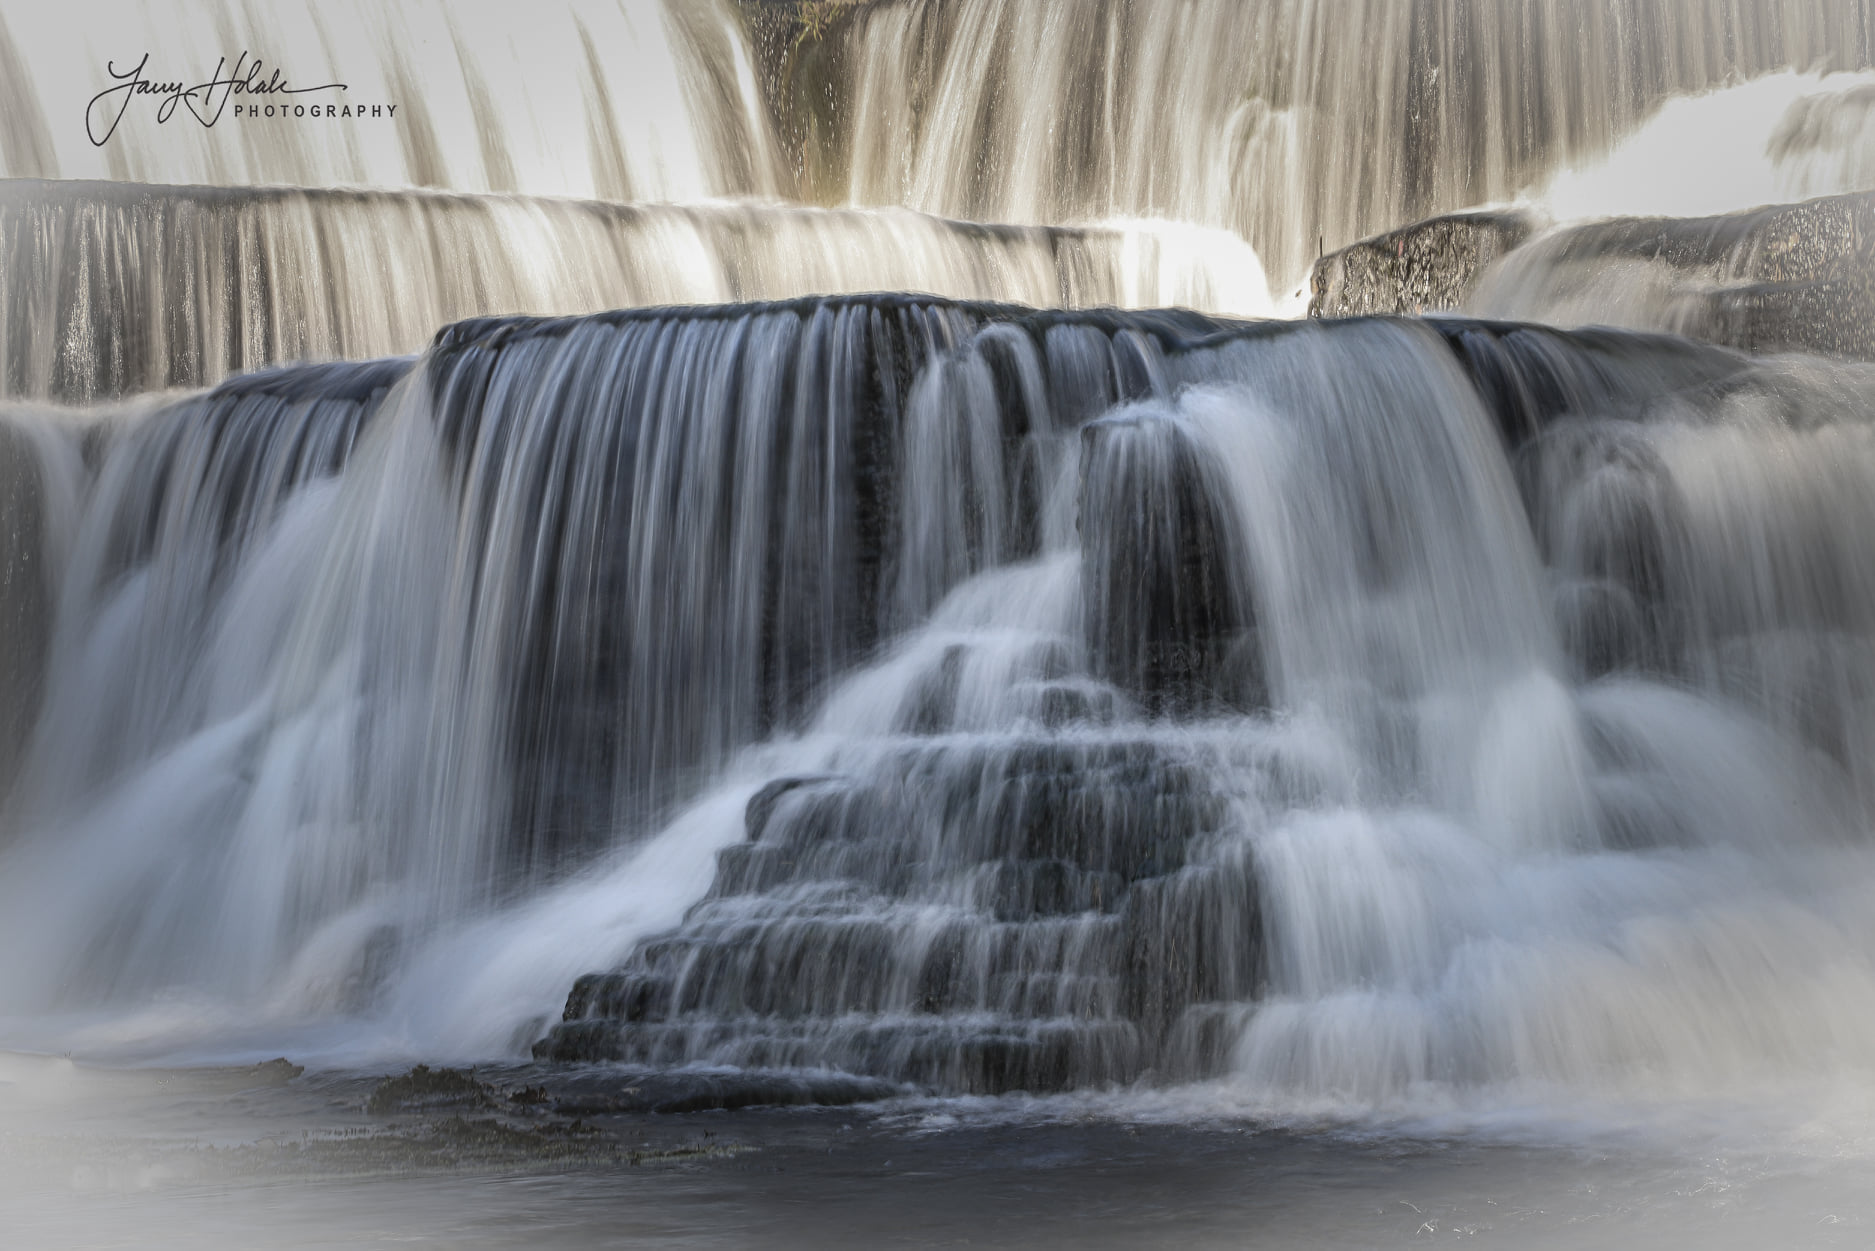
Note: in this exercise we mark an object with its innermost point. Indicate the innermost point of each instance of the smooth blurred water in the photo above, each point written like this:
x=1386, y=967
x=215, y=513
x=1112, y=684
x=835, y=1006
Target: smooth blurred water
x=1490, y=768
x=1441, y=745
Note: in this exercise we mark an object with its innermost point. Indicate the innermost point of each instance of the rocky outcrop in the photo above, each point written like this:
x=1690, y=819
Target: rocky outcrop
x=1164, y=614
x=1783, y=278
x=968, y=916
x=801, y=54
x=1427, y=267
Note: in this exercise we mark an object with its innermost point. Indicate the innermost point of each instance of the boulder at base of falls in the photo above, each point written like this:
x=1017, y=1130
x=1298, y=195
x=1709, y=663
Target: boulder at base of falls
x=1427, y=267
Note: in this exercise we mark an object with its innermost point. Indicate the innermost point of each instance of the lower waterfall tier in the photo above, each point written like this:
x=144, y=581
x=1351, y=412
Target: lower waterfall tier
x=965, y=695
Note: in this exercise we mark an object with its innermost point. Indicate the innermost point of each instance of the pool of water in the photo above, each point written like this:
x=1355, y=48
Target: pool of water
x=95, y=1157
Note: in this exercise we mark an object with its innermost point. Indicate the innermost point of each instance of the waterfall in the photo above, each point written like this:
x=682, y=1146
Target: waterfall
x=1292, y=122
x=1428, y=608
x=114, y=289
x=658, y=99
x=1733, y=268
x=1500, y=714
x=764, y=535
x=1506, y=715
x=1203, y=128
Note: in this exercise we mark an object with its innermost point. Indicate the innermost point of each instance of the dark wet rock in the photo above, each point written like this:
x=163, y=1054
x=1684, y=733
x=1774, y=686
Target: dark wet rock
x=1602, y=627
x=1429, y=266
x=1611, y=525
x=424, y=1089
x=1019, y=890
x=612, y=1093
x=762, y=804
x=932, y=707
x=1162, y=580
x=1530, y=378
x=276, y=1072
x=27, y=593
x=1067, y=702
x=1192, y=938
x=982, y=917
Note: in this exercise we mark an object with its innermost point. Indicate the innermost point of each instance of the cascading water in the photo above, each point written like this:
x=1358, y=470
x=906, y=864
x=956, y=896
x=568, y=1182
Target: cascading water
x=1264, y=117
x=1735, y=271
x=1407, y=786
x=1033, y=680
x=1499, y=715
x=1234, y=125
x=659, y=97
x=113, y=289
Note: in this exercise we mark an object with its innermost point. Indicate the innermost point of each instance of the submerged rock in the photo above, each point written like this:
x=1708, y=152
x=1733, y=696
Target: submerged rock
x=612, y=1093
x=424, y=1089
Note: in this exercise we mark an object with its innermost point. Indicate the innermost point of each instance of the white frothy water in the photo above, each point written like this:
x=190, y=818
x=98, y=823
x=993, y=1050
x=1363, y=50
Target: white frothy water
x=1772, y=140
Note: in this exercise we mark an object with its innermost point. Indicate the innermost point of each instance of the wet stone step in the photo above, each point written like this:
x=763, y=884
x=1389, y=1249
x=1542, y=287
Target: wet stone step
x=1189, y=938
x=795, y=968
x=973, y=915
x=1135, y=831
x=616, y=1092
x=1100, y=810
x=744, y=870
x=1068, y=702
x=830, y=810
x=1019, y=756
x=621, y=996
x=970, y=1055
x=1016, y=890
x=761, y=805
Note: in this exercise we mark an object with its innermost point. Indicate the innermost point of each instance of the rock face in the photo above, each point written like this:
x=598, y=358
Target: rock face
x=27, y=592
x=1160, y=582
x=1429, y=266
x=1785, y=278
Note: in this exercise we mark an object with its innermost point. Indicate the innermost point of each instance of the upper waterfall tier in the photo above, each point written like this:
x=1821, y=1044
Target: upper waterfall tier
x=1292, y=122
x=108, y=289
x=1295, y=124
x=614, y=99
